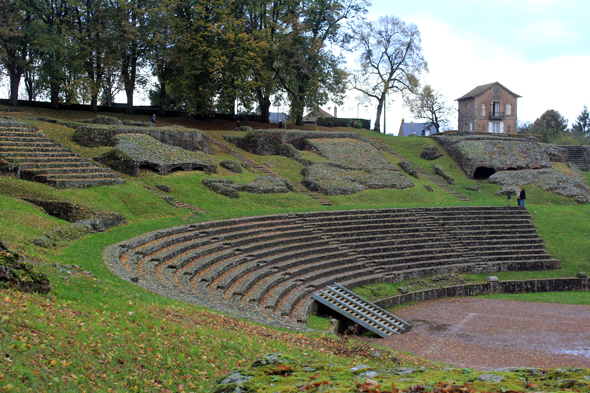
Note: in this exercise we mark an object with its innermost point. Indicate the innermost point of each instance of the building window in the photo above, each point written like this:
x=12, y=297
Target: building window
x=470, y=126
x=508, y=109
x=496, y=126
x=495, y=108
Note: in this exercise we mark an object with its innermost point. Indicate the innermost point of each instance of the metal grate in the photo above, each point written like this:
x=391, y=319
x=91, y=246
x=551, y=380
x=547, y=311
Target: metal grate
x=361, y=311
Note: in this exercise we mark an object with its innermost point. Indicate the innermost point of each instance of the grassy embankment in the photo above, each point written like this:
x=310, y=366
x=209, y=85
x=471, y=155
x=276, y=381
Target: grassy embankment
x=103, y=334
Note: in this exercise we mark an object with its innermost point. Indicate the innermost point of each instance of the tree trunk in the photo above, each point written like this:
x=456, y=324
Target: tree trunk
x=265, y=111
x=263, y=105
x=128, y=72
x=55, y=98
x=377, y=127
x=129, y=93
x=94, y=102
x=29, y=86
x=162, y=110
x=297, y=105
x=14, y=83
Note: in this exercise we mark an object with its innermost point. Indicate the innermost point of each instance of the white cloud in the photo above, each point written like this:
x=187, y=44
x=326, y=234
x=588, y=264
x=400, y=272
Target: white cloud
x=458, y=63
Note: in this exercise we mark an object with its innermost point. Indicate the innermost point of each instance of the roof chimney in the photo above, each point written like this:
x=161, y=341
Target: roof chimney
x=402, y=121
x=335, y=111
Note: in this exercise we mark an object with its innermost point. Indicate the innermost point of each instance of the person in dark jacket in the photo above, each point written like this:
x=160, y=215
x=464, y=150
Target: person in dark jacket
x=521, y=197
x=509, y=194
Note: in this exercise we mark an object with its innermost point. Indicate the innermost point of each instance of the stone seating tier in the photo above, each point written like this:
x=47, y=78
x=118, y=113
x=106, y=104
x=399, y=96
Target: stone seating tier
x=43, y=160
x=265, y=268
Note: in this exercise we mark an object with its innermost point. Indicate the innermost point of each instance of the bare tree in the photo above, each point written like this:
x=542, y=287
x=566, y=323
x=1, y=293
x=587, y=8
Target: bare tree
x=431, y=105
x=390, y=61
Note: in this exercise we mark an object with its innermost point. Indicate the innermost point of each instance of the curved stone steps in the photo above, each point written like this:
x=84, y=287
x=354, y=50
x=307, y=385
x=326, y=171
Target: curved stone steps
x=250, y=285
x=388, y=262
x=268, y=266
x=222, y=276
x=217, y=267
x=226, y=231
x=260, y=289
x=320, y=277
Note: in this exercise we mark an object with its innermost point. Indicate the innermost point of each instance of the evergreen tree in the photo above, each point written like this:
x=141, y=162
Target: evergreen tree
x=582, y=125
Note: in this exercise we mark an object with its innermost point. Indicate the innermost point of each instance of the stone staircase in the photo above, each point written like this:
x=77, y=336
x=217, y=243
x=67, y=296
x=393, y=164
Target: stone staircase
x=173, y=201
x=267, y=268
x=577, y=156
x=37, y=158
x=433, y=179
x=267, y=171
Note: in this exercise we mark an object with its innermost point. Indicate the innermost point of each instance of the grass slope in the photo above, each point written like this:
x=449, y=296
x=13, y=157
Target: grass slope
x=102, y=334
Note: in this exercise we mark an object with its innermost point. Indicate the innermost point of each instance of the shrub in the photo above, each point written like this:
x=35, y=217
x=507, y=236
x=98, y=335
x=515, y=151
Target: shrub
x=113, y=121
x=232, y=166
x=138, y=123
x=243, y=128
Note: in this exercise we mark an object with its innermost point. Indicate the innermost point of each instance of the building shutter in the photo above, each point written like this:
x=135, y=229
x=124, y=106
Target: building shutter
x=501, y=127
x=490, y=127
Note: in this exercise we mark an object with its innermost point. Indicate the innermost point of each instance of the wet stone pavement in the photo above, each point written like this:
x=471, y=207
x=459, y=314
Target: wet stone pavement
x=484, y=334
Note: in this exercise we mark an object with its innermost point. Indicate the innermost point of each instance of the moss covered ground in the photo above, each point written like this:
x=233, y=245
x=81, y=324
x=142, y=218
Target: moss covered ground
x=102, y=334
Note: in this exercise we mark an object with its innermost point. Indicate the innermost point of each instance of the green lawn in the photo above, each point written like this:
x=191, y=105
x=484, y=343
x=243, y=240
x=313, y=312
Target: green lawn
x=95, y=333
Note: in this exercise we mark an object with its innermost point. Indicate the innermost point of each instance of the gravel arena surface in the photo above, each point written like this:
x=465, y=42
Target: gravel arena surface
x=484, y=334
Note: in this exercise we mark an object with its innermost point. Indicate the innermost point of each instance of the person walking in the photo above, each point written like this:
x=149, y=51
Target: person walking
x=521, y=197
x=509, y=193
x=153, y=119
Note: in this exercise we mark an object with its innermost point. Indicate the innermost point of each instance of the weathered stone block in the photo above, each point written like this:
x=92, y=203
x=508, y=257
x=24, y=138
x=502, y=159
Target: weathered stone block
x=431, y=153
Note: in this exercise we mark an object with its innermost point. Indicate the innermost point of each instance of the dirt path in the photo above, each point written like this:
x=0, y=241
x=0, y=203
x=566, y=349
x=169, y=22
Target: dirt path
x=483, y=334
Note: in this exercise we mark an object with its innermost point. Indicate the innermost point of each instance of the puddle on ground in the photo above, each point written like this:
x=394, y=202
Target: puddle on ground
x=577, y=352
x=432, y=327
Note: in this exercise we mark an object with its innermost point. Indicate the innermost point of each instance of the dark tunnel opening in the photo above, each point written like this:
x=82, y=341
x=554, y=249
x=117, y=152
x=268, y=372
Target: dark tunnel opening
x=483, y=173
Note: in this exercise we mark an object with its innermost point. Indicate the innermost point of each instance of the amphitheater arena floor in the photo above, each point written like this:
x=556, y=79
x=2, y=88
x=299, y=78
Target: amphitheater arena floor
x=483, y=334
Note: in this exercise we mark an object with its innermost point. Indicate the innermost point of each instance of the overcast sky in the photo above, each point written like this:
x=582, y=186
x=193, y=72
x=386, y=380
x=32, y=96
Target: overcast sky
x=539, y=49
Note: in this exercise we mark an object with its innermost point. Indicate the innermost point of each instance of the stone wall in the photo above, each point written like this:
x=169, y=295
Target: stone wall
x=516, y=286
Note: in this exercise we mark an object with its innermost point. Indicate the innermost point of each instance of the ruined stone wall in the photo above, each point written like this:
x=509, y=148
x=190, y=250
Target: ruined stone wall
x=495, y=151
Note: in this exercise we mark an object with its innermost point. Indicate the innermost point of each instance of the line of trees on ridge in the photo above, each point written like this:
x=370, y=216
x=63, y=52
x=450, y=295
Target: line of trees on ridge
x=205, y=54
